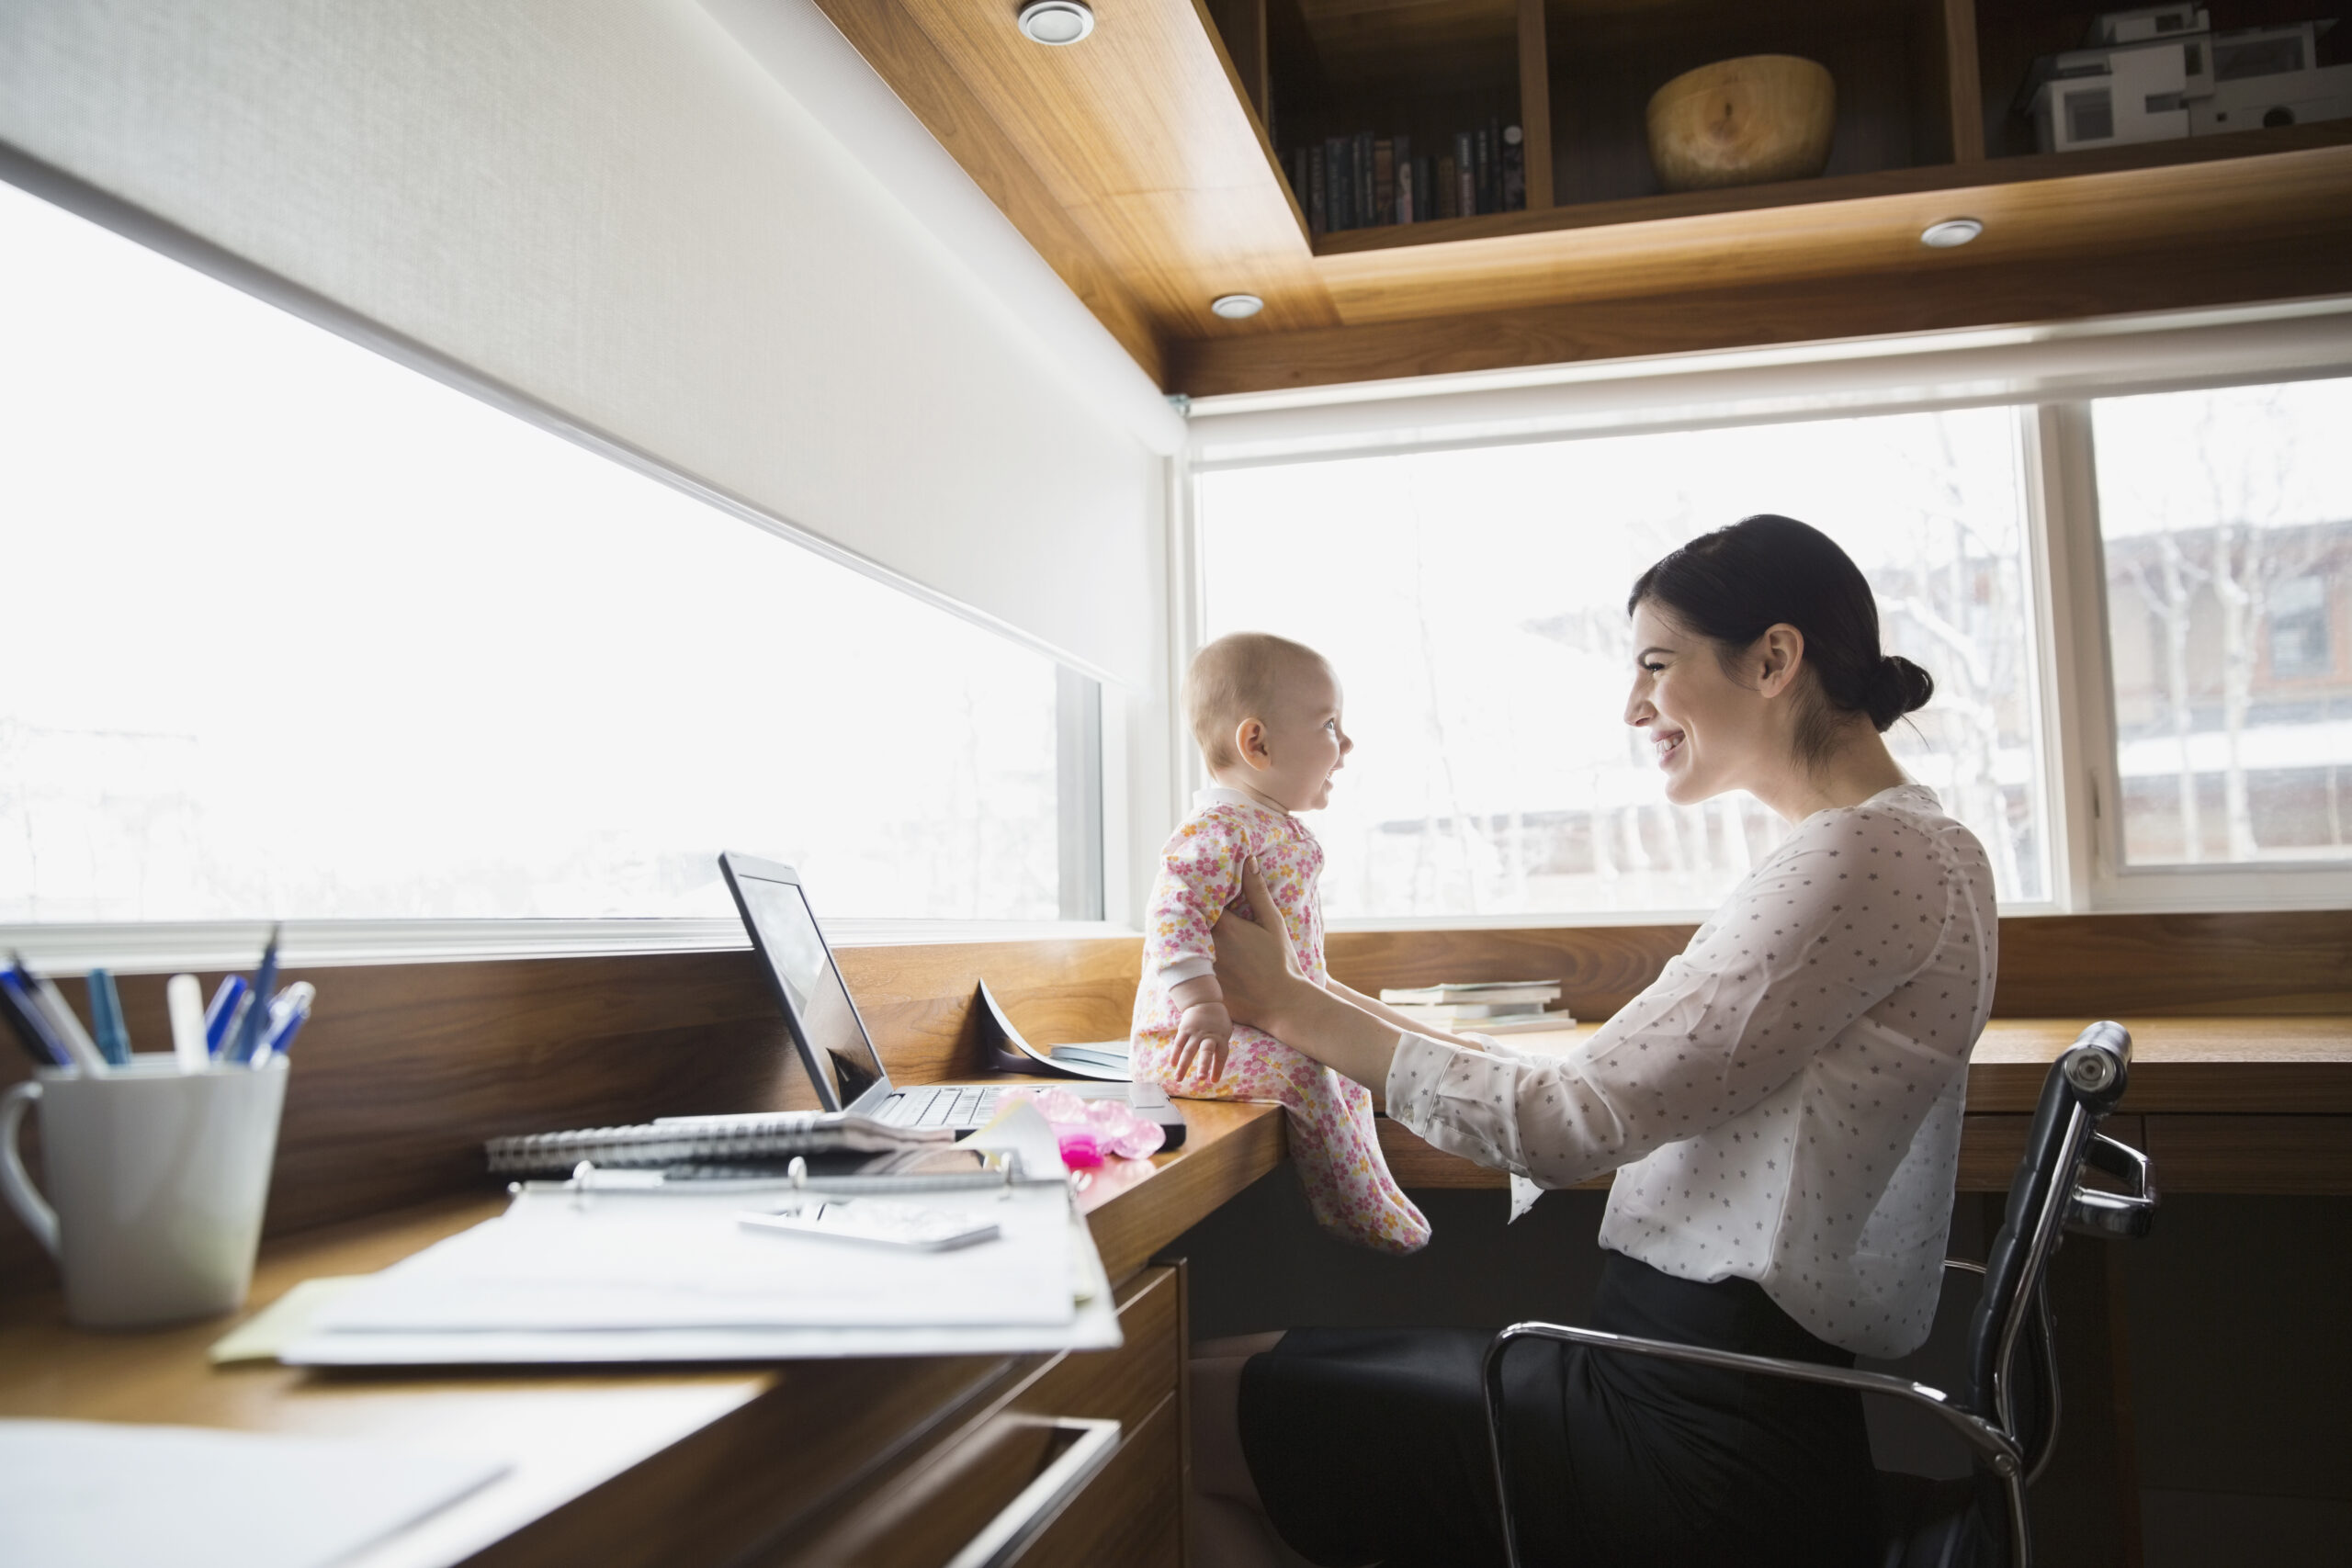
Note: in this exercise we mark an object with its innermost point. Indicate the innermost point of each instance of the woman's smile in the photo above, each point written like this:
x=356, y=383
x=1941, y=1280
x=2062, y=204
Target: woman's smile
x=1670, y=746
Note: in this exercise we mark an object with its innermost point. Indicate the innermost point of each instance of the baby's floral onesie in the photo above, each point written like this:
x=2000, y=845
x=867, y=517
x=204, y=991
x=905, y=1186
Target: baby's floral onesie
x=1332, y=1141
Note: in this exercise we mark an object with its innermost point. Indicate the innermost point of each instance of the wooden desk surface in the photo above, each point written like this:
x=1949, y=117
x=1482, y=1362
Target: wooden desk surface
x=614, y=1466
x=2254, y=1064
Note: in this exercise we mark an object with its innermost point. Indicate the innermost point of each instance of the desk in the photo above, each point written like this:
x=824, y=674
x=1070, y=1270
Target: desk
x=665, y=1467
x=414, y=1065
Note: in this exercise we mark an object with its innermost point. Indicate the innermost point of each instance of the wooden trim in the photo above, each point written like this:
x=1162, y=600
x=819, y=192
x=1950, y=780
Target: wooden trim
x=1964, y=91
x=405, y=1068
x=1535, y=104
x=2302, y=1155
x=1917, y=293
x=2125, y=966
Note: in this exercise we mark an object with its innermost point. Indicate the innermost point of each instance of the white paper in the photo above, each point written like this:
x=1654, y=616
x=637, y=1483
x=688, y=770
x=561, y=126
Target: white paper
x=103, y=1495
x=565, y=1263
x=1095, y=1327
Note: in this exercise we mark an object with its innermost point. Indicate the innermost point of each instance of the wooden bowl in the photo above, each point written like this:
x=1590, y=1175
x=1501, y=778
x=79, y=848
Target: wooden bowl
x=1743, y=122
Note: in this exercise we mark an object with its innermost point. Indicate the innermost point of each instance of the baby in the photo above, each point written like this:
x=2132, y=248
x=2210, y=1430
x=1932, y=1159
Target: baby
x=1266, y=713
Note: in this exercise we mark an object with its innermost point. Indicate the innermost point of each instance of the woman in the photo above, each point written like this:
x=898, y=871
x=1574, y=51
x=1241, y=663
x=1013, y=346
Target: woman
x=1782, y=1108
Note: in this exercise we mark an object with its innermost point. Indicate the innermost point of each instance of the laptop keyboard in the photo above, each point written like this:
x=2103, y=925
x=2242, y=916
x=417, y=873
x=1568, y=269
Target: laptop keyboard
x=962, y=1107
x=958, y=1108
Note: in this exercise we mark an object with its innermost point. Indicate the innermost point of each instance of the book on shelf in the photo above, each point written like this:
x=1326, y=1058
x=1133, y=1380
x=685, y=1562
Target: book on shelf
x=1364, y=180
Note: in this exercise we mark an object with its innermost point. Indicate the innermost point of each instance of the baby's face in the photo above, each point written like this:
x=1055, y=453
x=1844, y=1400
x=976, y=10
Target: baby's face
x=1305, y=741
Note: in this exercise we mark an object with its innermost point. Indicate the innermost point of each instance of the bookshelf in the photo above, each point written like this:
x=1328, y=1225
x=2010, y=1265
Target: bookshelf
x=1926, y=90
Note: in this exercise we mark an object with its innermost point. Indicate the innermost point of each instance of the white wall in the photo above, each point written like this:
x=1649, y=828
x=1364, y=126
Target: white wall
x=610, y=206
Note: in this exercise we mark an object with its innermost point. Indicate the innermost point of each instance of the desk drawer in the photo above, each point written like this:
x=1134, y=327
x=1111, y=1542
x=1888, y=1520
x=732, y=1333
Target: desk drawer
x=986, y=1469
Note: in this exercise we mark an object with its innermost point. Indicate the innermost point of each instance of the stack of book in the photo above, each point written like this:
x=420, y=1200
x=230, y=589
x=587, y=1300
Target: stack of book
x=1488, y=1006
x=1365, y=181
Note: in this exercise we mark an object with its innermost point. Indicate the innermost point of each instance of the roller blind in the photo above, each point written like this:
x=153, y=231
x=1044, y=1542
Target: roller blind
x=608, y=206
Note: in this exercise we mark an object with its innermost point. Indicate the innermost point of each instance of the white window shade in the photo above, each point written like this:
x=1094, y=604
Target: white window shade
x=613, y=210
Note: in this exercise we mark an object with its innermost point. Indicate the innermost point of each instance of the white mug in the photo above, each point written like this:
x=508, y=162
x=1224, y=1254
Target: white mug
x=159, y=1178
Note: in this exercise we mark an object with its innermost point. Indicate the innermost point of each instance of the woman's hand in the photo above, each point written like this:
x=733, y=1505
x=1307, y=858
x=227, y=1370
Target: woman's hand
x=1256, y=965
x=1258, y=973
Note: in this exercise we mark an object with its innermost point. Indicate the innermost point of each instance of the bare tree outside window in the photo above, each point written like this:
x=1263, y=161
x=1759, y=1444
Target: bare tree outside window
x=1473, y=602
x=2226, y=521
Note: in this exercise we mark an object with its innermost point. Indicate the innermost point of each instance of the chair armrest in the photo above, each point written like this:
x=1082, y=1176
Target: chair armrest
x=1979, y=1434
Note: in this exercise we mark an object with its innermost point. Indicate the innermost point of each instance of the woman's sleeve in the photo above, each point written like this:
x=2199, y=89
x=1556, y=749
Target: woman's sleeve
x=1200, y=874
x=1847, y=909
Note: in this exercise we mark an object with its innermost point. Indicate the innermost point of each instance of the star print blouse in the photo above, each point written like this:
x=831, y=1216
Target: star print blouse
x=1783, y=1104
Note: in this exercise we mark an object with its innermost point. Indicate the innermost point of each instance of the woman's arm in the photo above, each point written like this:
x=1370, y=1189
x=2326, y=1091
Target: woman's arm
x=1395, y=1020
x=1815, y=940
x=1264, y=986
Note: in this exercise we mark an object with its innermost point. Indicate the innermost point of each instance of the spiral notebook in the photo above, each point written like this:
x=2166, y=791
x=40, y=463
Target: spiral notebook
x=708, y=1140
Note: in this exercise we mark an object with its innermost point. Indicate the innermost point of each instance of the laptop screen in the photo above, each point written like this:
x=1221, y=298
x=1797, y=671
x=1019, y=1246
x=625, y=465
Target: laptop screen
x=839, y=1055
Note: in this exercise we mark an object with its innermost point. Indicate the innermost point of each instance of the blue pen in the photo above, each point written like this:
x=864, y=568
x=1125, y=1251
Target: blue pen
x=222, y=1015
x=105, y=1019
x=249, y=1034
x=31, y=1028
x=288, y=1013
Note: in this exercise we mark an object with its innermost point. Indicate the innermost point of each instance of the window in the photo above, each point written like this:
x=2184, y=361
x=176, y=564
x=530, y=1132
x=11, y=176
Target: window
x=1473, y=602
x=2226, y=518
x=296, y=632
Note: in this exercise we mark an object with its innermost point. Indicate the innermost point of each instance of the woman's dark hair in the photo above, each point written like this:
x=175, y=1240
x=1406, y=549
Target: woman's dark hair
x=1734, y=584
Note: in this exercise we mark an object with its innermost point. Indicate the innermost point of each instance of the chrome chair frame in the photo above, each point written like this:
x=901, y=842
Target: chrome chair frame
x=2082, y=1087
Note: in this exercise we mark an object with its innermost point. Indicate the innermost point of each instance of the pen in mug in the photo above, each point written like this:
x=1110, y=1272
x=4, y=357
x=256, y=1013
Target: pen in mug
x=27, y=1023
x=248, y=1034
x=288, y=1013
x=63, y=1021
x=105, y=1018
x=222, y=1015
x=185, y=999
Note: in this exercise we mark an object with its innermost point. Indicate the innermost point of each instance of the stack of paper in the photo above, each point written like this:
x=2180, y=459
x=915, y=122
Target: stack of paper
x=672, y=1272
x=1488, y=1006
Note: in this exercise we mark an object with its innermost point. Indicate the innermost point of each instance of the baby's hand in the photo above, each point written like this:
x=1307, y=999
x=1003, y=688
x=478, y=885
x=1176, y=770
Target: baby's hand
x=1205, y=1032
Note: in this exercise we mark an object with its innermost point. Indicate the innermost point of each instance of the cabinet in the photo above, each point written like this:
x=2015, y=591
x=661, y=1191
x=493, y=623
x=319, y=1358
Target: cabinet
x=1926, y=95
x=1008, y=1479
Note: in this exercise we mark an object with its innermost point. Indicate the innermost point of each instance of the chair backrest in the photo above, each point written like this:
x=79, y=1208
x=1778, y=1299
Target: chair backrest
x=2084, y=1085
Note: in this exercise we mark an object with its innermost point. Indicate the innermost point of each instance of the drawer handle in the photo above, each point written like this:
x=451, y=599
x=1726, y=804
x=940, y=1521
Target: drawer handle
x=1022, y=1519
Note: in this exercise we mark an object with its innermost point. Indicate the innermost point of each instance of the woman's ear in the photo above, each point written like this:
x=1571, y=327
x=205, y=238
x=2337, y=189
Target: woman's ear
x=1780, y=653
x=1250, y=744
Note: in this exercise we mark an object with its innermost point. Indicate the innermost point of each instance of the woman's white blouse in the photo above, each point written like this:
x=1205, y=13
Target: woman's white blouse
x=1784, y=1104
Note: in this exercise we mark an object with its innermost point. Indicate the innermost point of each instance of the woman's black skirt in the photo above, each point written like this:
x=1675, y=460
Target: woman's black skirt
x=1369, y=1445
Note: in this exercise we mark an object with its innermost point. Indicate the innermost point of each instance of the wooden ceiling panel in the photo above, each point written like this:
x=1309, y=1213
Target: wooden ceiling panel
x=1865, y=235
x=904, y=56
x=1141, y=135
x=1135, y=165
x=1925, y=295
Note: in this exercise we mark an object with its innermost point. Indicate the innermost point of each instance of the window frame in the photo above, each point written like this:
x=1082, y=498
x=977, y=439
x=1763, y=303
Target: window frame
x=2108, y=882
x=2051, y=391
x=1091, y=706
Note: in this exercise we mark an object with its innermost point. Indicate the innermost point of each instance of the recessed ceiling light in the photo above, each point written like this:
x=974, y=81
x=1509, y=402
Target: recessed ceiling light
x=1236, y=307
x=1056, y=21
x=1952, y=231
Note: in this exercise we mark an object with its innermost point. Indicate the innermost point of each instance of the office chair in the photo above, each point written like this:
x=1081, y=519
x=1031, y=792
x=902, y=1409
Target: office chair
x=2007, y=1414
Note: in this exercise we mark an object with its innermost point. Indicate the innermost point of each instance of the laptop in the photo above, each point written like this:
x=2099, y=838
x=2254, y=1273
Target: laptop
x=832, y=1037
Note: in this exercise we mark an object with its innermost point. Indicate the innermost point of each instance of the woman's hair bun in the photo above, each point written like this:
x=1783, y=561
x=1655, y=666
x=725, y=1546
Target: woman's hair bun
x=1897, y=686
